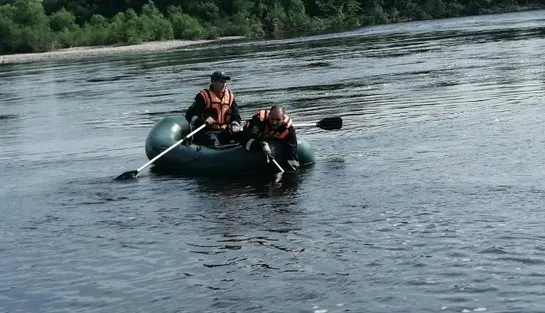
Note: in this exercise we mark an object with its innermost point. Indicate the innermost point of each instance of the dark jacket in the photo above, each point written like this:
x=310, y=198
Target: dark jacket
x=254, y=135
x=196, y=113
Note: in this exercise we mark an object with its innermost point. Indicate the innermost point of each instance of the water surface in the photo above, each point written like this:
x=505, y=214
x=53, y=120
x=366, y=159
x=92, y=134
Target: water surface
x=428, y=200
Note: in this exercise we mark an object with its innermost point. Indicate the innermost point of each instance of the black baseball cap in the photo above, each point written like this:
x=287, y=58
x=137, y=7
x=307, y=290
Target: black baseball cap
x=217, y=75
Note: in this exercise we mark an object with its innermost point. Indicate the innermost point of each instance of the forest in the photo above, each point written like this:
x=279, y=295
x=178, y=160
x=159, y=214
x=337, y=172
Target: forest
x=38, y=26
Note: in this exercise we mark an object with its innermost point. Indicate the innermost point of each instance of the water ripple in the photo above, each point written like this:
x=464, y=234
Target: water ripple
x=428, y=199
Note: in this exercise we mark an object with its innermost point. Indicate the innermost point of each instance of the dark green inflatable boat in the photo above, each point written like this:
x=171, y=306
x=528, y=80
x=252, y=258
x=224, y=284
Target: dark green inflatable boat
x=201, y=160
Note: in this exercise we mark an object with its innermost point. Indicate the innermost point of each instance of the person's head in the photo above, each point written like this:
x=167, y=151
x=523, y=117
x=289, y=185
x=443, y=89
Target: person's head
x=218, y=81
x=276, y=116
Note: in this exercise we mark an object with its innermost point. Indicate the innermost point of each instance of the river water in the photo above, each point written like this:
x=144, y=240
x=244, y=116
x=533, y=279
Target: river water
x=429, y=199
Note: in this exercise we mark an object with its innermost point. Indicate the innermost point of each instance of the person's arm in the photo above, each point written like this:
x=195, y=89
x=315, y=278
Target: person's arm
x=194, y=113
x=292, y=157
x=250, y=138
x=235, y=114
x=234, y=118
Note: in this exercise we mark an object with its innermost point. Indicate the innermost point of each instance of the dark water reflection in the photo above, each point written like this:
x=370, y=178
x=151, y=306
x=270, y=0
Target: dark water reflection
x=428, y=200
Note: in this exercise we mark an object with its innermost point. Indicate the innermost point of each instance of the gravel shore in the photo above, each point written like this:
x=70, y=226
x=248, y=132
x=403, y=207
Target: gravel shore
x=85, y=52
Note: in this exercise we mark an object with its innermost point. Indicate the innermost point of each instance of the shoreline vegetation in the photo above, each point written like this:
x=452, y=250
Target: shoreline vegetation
x=33, y=30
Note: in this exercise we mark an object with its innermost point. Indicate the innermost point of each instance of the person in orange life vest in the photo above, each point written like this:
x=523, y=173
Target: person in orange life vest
x=216, y=107
x=268, y=125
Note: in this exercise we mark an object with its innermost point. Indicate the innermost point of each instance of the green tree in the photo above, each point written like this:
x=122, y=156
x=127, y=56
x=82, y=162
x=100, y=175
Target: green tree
x=26, y=27
x=62, y=20
x=183, y=25
x=155, y=23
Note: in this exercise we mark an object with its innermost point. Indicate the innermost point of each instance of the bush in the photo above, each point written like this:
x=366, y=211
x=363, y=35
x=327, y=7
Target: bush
x=155, y=23
x=62, y=20
x=6, y=33
x=98, y=21
x=96, y=32
x=239, y=25
x=29, y=13
x=183, y=25
x=24, y=28
x=379, y=16
x=206, y=11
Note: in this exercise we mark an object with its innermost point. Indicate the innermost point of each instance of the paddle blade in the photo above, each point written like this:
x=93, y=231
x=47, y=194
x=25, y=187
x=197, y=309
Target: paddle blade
x=127, y=175
x=330, y=123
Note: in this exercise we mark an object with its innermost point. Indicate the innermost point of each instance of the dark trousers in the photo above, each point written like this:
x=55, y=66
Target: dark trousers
x=215, y=137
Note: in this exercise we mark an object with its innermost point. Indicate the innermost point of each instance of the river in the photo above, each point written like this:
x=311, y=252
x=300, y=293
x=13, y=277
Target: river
x=429, y=199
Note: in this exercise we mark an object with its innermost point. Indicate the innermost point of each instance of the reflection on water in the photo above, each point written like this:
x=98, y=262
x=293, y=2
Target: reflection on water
x=267, y=185
x=428, y=199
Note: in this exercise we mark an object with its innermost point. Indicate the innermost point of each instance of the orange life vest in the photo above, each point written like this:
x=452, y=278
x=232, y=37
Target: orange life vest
x=268, y=132
x=221, y=106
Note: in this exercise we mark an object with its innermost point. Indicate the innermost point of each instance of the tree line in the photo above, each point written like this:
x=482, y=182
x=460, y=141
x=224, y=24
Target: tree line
x=43, y=25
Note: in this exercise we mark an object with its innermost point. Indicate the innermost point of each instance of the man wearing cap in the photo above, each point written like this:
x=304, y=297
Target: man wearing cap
x=216, y=107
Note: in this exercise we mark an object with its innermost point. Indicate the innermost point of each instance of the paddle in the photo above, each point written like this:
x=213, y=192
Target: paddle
x=277, y=165
x=133, y=174
x=328, y=123
x=269, y=158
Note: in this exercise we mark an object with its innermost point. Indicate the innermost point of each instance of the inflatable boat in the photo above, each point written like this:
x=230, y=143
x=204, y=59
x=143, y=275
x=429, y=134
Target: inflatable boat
x=189, y=158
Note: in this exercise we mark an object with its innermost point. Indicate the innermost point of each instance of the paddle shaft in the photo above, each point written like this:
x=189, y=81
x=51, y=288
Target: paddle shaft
x=269, y=158
x=171, y=147
x=277, y=165
x=305, y=125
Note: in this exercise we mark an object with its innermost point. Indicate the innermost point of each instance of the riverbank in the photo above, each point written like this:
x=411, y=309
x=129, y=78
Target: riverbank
x=89, y=52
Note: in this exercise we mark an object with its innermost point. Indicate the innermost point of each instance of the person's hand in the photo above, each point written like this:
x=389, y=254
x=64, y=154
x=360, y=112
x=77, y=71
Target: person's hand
x=209, y=120
x=266, y=149
x=235, y=127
